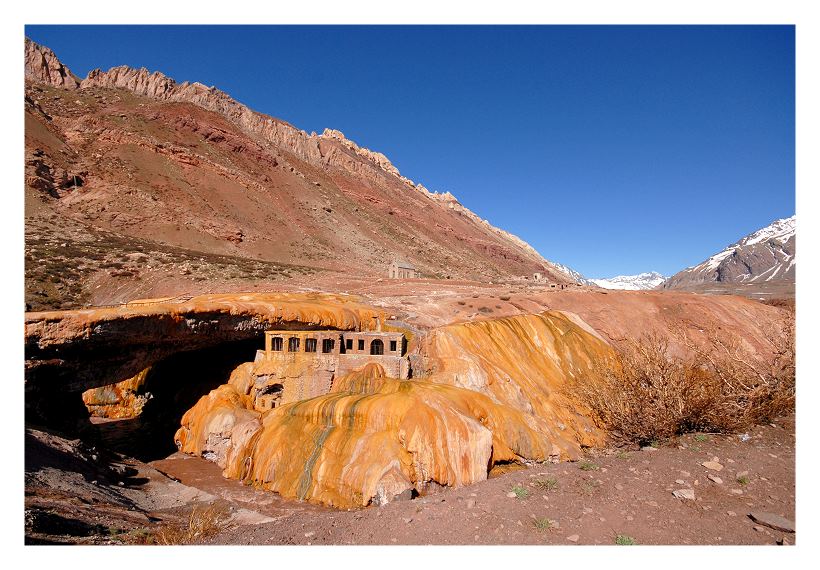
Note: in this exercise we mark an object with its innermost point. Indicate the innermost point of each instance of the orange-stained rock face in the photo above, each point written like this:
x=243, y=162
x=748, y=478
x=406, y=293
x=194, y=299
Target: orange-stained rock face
x=120, y=400
x=522, y=362
x=374, y=438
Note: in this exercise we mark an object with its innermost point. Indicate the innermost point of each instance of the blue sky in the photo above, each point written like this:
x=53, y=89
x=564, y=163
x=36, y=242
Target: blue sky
x=612, y=149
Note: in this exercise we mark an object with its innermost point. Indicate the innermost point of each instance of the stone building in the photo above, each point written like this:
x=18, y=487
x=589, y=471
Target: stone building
x=399, y=270
x=297, y=365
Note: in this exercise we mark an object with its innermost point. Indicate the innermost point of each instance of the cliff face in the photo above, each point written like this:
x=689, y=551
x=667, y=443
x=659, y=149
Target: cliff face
x=43, y=66
x=126, y=153
x=373, y=438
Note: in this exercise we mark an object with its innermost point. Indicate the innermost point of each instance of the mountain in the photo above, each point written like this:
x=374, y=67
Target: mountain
x=760, y=261
x=571, y=273
x=648, y=280
x=133, y=178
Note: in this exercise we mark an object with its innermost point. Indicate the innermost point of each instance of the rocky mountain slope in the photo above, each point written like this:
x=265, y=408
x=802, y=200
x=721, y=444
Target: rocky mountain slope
x=132, y=155
x=763, y=258
x=648, y=280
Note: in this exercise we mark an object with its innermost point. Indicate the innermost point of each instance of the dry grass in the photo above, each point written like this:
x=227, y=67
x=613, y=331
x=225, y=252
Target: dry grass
x=203, y=522
x=647, y=394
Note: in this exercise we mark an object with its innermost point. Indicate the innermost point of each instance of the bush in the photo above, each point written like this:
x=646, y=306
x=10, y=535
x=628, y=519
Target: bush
x=548, y=484
x=646, y=394
x=203, y=522
x=543, y=523
x=624, y=540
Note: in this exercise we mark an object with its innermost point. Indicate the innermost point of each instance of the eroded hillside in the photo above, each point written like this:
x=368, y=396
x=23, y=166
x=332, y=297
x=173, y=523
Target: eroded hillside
x=134, y=155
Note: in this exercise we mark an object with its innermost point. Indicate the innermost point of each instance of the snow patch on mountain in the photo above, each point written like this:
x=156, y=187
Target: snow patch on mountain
x=642, y=281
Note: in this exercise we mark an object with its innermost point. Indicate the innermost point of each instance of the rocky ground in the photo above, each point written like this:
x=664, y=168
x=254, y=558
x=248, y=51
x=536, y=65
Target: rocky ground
x=697, y=489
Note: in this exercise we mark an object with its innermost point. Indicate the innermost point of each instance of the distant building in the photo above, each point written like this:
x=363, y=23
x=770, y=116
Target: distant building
x=399, y=270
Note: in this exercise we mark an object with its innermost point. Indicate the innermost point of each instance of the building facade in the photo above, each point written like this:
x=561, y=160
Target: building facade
x=398, y=270
x=297, y=365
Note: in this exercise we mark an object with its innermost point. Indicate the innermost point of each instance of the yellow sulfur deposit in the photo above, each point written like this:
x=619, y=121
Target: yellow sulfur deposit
x=492, y=397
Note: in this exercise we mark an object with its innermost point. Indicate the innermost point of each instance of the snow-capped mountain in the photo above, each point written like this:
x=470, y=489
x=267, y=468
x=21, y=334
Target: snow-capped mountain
x=572, y=273
x=763, y=256
x=648, y=280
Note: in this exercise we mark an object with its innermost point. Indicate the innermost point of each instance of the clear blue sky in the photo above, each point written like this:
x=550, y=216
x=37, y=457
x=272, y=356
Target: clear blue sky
x=613, y=149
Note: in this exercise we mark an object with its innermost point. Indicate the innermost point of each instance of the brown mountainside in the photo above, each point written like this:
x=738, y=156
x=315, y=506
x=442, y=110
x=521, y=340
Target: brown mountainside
x=127, y=162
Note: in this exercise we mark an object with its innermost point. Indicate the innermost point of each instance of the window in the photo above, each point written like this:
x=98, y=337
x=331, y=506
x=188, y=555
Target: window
x=349, y=344
x=293, y=344
x=276, y=343
x=392, y=346
x=328, y=344
x=361, y=344
x=310, y=345
x=376, y=347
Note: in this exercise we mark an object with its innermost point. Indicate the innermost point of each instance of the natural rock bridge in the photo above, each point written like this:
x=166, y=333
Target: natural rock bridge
x=68, y=352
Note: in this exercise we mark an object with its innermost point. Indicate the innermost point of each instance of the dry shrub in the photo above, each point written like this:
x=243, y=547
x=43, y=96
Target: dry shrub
x=646, y=394
x=202, y=522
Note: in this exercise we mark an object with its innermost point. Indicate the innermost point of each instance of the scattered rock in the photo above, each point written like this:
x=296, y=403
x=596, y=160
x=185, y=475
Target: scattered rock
x=408, y=520
x=736, y=491
x=758, y=528
x=772, y=520
x=511, y=495
x=573, y=538
x=470, y=503
x=680, y=481
x=688, y=494
x=713, y=465
x=714, y=479
x=309, y=534
x=731, y=513
x=649, y=448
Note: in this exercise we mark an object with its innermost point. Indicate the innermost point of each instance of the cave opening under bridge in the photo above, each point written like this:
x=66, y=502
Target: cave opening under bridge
x=188, y=356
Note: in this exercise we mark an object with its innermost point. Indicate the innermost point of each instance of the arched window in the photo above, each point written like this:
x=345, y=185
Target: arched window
x=377, y=347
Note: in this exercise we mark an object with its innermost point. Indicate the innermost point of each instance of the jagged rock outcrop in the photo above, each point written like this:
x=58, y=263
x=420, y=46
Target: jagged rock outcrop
x=43, y=66
x=494, y=396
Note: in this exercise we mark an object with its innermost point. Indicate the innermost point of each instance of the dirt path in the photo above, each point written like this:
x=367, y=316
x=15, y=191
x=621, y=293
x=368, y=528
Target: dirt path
x=613, y=493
